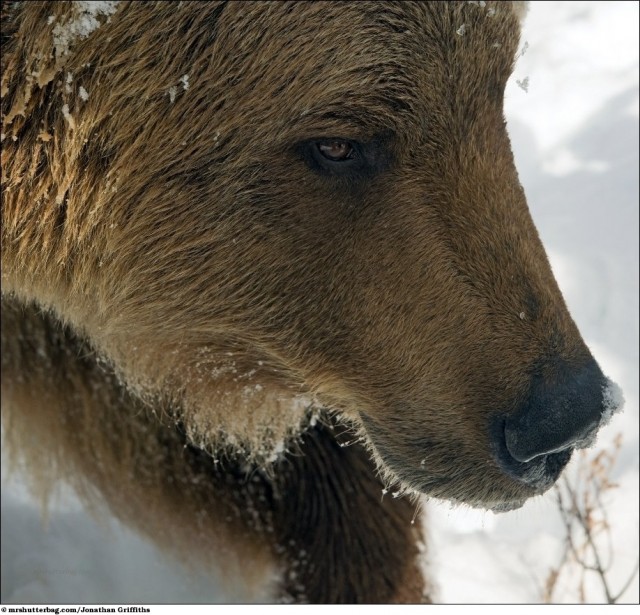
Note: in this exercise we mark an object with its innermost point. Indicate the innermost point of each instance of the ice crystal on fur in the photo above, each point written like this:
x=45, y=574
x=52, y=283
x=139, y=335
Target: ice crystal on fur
x=613, y=401
x=67, y=116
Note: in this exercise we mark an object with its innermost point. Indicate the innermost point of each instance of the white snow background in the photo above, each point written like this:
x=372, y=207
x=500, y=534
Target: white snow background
x=575, y=138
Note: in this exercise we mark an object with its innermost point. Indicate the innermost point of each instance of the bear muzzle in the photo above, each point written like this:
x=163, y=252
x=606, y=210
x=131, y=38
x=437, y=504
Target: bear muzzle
x=565, y=408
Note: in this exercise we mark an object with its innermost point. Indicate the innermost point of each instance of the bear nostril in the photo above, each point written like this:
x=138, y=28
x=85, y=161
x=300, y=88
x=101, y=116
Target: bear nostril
x=525, y=447
x=563, y=409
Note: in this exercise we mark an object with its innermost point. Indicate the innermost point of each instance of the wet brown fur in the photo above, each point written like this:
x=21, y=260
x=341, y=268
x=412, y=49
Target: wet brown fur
x=176, y=279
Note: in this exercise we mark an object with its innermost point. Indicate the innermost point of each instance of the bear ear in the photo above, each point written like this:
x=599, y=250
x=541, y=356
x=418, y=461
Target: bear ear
x=520, y=8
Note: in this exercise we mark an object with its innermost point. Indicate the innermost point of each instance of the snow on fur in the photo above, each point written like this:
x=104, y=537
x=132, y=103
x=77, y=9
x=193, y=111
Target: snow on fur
x=86, y=20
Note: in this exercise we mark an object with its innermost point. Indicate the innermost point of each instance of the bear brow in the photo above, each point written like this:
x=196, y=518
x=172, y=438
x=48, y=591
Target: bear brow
x=372, y=114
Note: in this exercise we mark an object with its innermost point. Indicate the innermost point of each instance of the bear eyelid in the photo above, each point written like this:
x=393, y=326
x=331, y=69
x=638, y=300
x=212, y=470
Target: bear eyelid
x=336, y=150
x=341, y=157
x=333, y=156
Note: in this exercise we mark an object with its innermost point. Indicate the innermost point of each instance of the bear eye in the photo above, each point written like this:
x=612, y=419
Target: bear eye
x=336, y=150
x=338, y=157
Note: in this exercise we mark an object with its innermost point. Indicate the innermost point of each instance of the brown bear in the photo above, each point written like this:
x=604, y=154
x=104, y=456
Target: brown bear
x=268, y=274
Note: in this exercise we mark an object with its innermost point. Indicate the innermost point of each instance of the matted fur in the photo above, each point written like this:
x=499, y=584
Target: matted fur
x=190, y=310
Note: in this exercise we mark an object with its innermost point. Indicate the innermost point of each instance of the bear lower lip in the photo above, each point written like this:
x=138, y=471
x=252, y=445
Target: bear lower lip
x=507, y=506
x=527, y=479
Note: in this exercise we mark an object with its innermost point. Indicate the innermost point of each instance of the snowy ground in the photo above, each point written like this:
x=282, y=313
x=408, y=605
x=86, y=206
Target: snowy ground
x=575, y=137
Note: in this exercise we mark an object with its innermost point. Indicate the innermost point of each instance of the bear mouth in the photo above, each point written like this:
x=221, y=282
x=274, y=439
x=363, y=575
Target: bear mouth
x=502, y=485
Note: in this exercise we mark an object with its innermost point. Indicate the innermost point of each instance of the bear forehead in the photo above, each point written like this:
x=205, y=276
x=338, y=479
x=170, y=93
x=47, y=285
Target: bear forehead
x=293, y=70
x=392, y=61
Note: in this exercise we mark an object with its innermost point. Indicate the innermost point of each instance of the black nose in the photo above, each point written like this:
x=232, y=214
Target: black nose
x=563, y=409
